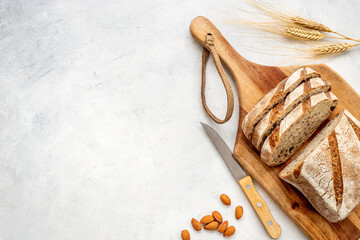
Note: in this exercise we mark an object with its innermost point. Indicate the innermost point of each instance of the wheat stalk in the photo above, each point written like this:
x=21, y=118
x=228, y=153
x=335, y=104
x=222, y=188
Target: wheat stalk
x=286, y=31
x=280, y=14
x=333, y=48
x=305, y=34
x=288, y=24
x=306, y=23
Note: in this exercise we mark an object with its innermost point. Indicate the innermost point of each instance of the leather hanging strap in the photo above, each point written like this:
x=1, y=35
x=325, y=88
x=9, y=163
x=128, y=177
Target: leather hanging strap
x=229, y=93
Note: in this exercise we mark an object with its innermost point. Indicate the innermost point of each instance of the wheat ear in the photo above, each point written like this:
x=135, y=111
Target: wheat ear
x=282, y=14
x=333, y=48
x=310, y=24
x=305, y=34
x=306, y=23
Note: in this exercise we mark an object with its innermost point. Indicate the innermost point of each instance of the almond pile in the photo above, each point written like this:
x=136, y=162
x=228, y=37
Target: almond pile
x=215, y=221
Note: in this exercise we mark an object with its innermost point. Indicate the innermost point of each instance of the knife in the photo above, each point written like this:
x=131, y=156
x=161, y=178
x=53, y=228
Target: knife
x=246, y=183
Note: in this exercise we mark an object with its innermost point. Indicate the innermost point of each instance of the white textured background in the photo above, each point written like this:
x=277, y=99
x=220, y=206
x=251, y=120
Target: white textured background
x=100, y=109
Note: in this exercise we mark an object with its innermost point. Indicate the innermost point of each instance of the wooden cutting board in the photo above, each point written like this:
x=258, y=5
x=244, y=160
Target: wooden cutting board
x=253, y=81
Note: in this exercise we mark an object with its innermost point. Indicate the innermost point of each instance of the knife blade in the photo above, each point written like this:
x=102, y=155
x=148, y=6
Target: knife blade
x=245, y=181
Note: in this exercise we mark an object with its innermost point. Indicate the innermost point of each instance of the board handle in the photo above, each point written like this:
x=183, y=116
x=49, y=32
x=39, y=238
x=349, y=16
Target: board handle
x=260, y=207
x=200, y=27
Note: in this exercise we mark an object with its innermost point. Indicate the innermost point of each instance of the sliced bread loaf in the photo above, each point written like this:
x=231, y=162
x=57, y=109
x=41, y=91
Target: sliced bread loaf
x=327, y=171
x=279, y=111
x=296, y=128
x=264, y=105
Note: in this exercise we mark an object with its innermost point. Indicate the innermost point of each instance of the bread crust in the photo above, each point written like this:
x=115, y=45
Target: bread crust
x=319, y=181
x=278, y=112
x=264, y=105
x=277, y=137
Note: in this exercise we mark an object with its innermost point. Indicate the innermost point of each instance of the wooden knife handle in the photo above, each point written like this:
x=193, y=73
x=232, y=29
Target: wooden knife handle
x=260, y=207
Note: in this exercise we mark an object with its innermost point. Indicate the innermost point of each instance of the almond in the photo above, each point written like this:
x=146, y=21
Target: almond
x=239, y=212
x=230, y=231
x=207, y=219
x=217, y=216
x=185, y=235
x=211, y=226
x=225, y=199
x=196, y=224
x=222, y=227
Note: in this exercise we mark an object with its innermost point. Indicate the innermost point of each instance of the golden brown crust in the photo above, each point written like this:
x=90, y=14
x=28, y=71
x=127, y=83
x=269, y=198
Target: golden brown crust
x=307, y=86
x=306, y=105
x=328, y=94
x=279, y=92
x=281, y=143
x=336, y=167
x=330, y=173
x=275, y=112
x=305, y=90
x=274, y=137
x=354, y=126
x=297, y=171
x=303, y=72
x=264, y=105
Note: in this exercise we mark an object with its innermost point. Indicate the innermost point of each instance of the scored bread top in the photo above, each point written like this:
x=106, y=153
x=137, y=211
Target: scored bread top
x=264, y=105
x=305, y=106
x=297, y=127
x=279, y=111
x=327, y=171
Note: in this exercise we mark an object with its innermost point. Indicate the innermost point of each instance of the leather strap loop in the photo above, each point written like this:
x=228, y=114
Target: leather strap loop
x=209, y=42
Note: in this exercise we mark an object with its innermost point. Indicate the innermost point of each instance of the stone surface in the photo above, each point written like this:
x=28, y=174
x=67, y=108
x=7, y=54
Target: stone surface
x=100, y=109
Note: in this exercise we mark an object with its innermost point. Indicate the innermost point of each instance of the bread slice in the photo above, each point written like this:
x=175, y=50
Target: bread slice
x=327, y=171
x=264, y=105
x=277, y=113
x=296, y=128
